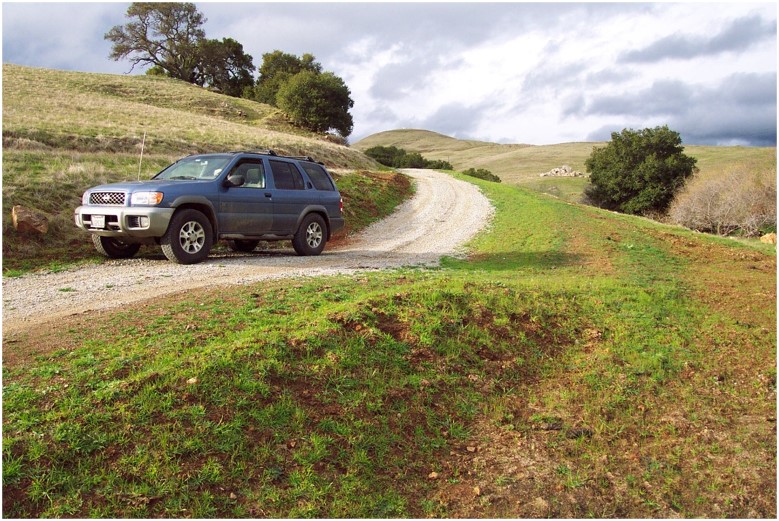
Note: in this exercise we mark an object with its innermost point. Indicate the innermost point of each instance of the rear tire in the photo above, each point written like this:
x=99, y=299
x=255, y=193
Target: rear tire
x=311, y=235
x=189, y=237
x=115, y=248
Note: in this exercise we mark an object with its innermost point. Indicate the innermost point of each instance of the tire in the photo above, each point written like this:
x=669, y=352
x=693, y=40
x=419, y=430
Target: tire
x=242, y=245
x=189, y=237
x=311, y=235
x=115, y=248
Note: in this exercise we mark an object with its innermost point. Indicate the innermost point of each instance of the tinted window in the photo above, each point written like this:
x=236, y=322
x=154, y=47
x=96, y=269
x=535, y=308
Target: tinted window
x=318, y=176
x=286, y=176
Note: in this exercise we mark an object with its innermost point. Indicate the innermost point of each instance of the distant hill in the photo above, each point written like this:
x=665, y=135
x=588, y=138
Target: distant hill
x=522, y=164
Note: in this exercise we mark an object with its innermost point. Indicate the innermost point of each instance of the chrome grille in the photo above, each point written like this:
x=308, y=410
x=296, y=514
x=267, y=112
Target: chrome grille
x=107, y=198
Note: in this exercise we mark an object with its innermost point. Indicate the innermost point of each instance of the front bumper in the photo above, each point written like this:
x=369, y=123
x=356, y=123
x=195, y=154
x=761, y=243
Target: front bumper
x=123, y=221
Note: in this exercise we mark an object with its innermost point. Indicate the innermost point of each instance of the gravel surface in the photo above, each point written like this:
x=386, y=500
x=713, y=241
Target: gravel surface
x=443, y=215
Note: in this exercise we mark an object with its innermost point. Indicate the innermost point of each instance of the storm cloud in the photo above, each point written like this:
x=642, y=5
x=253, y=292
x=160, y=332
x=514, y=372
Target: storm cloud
x=736, y=37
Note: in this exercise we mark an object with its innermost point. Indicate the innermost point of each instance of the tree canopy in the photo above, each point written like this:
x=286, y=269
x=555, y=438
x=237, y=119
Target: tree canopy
x=163, y=35
x=276, y=69
x=224, y=65
x=318, y=102
x=638, y=171
x=169, y=38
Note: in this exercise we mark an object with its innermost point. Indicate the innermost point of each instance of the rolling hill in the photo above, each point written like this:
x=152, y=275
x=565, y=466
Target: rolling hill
x=52, y=109
x=522, y=164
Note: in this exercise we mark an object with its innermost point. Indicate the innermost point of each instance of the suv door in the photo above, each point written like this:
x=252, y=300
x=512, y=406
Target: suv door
x=246, y=209
x=290, y=196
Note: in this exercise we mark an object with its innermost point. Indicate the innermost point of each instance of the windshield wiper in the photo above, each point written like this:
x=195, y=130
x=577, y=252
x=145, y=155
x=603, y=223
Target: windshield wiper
x=182, y=177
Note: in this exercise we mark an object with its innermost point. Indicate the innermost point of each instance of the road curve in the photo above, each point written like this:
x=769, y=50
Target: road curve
x=443, y=215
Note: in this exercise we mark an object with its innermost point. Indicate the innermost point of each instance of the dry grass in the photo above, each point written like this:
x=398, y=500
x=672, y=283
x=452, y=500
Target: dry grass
x=522, y=164
x=103, y=112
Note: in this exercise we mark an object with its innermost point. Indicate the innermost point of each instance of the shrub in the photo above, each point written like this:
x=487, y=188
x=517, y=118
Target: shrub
x=739, y=202
x=638, y=172
x=399, y=158
x=387, y=156
x=482, y=173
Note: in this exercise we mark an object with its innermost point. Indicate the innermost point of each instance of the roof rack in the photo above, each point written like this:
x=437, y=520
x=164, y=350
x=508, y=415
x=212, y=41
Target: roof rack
x=270, y=152
x=267, y=152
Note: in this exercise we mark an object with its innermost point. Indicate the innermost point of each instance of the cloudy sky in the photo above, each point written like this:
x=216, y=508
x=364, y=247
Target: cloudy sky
x=536, y=73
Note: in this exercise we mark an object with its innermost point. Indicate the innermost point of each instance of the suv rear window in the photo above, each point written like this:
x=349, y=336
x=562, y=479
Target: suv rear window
x=318, y=176
x=286, y=176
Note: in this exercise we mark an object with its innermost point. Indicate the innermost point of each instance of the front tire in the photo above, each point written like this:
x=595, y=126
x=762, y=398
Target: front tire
x=188, y=239
x=311, y=235
x=115, y=248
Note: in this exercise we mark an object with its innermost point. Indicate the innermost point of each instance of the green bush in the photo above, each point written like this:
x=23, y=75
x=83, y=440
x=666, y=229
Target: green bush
x=638, y=172
x=482, y=173
x=399, y=158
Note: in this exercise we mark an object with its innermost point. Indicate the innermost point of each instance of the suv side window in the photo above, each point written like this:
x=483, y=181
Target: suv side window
x=252, y=171
x=286, y=176
x=318, y=176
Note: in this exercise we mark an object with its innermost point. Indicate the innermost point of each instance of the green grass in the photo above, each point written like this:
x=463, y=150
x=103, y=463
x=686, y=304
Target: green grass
x=576, y=341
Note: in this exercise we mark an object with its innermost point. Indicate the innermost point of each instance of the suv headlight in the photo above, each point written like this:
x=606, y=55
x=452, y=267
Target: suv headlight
x=146, y=198
x=85, y=198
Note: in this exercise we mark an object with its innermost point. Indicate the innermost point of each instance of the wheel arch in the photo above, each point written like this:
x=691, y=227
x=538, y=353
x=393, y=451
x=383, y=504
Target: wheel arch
x=321, y=211
x=203, y=206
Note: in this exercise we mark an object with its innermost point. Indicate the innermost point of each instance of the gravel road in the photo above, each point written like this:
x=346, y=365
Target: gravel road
x=443, y=215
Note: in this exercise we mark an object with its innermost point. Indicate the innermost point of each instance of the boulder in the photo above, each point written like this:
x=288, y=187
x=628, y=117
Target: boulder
x=563, y=171
x=27, y=220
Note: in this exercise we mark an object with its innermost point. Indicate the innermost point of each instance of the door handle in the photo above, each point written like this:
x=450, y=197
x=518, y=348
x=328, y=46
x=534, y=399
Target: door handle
x=268, y=195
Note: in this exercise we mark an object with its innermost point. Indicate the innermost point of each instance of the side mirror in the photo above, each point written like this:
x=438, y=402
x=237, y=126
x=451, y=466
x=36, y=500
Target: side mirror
x=235, y=180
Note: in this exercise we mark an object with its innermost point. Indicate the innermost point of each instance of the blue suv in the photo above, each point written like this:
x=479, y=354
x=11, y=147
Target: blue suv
x=240, y=197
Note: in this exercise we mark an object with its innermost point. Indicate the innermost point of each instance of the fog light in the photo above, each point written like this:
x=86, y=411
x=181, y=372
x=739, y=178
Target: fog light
x=143, y=222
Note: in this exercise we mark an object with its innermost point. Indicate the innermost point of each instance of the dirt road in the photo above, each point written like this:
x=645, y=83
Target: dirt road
x=443, y=215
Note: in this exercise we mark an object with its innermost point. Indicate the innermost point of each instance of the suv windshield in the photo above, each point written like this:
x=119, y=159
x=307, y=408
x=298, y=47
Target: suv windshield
x=195, y=167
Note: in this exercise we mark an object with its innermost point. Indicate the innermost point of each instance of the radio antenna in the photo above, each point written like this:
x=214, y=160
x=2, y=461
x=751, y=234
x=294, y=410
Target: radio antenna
x=140, y=161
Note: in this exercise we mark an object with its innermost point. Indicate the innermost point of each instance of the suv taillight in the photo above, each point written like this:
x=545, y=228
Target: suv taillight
x=341, y=205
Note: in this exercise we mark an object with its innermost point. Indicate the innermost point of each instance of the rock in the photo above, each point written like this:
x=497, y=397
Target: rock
x=563, y=171
x=27, y=220
x=769, y=238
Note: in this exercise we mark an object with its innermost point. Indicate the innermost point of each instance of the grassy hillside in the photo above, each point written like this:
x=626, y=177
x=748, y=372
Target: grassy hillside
x=45, y=108
x=618, y=368
x=66, y=131
x=522, y=164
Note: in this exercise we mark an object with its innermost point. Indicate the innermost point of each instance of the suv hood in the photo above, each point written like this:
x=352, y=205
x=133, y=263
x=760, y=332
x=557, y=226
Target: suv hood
x=136, y=186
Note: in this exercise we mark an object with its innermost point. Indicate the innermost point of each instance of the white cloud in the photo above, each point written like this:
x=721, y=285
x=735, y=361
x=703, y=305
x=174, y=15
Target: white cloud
x=527, y=73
